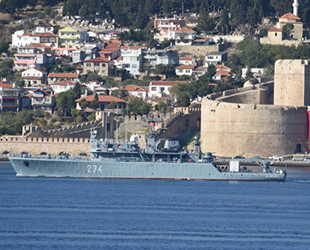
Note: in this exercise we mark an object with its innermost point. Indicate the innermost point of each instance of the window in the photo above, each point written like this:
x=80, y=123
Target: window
x=162, y=89
x=275, y=34
x=180, y=70
x=88, y=64
x=103, y=71
x=153, y=88
x=187, y=71
x=96, y=64
x=103, y=64
x=134, y=66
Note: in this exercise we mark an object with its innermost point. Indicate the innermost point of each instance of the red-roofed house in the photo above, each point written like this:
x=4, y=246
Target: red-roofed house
x=62, y=86
x=137, y=91
x=184, y=70
x=110, y=54
x=157, y=88
x=187, y=61
x=9, y=97
x=198, y=72
x=164, y=25
x=56, y=77
x=43, y=99
x=203, y=41
x=99, y=65
x=104, y=101
x=182, y=36
x=222, y=75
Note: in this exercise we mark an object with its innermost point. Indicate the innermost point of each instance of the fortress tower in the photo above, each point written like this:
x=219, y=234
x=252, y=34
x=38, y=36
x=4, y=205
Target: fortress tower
x=292, y=83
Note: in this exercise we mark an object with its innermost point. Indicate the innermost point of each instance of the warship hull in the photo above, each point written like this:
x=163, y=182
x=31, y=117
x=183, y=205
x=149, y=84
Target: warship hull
x=132, y=170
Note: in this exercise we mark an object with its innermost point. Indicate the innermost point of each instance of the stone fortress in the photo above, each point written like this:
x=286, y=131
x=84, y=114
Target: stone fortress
x=263, y=118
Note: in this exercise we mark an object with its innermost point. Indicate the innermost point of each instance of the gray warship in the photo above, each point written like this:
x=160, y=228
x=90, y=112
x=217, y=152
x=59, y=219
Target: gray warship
x=161, y=159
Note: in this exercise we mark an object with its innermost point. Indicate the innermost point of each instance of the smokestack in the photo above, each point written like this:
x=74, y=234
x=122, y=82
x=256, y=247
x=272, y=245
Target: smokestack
x=295, y=7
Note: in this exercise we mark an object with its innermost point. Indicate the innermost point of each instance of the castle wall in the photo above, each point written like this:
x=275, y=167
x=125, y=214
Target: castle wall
x=292, y=83
x=38, y=145
x=230, y=129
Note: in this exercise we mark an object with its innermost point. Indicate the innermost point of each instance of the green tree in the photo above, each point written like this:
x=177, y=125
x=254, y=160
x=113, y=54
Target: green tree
x=112, y=104
x=94, y=104
x=287, y=29
x=92, y=117
x=66, y=101
x=163, y=69
x=4, y=46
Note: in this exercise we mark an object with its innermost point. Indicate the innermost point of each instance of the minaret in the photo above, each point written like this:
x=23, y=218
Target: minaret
x=295, y=7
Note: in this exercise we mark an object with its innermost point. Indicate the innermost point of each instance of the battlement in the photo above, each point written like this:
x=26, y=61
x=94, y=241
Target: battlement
x=42, y=139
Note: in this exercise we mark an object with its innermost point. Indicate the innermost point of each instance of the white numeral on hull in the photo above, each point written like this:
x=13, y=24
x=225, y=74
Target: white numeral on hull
x=92, y=169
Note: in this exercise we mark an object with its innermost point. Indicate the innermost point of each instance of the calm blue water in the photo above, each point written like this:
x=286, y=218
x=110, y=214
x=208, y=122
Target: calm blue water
x=69, y=213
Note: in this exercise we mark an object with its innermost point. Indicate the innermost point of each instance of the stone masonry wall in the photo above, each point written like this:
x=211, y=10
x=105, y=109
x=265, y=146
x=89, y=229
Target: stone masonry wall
x=231, y=129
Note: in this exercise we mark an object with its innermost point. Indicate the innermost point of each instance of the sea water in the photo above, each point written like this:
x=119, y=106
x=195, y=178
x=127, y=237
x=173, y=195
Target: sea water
x=80, y=213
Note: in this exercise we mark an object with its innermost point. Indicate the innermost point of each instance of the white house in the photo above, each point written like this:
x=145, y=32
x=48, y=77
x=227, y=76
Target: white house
x=160, y=56
x=215, y=58
x=182, y=35
x=157, y=88
x=62, y=86
x=33, y=77
x=20, y=38
x=137, y=91
x=131, y=58
x=187, y=61
x=45, y=27
x=198, y=72
x=184, y=70
x=257, y=72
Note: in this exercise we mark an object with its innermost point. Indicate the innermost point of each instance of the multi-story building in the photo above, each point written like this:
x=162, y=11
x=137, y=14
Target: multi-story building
x=56, y=77
x=164, y=26
x=43, y=99
x=32, y=56
x=160, y=88
x=44, y=28
x=69, y=37
x=9, y=97
x=33, y=77
x=215, y=58
x=155, y=57
x=99, y=65
x=86, y=52
x=20, y=38
x=131, y=59
x=182, y=36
